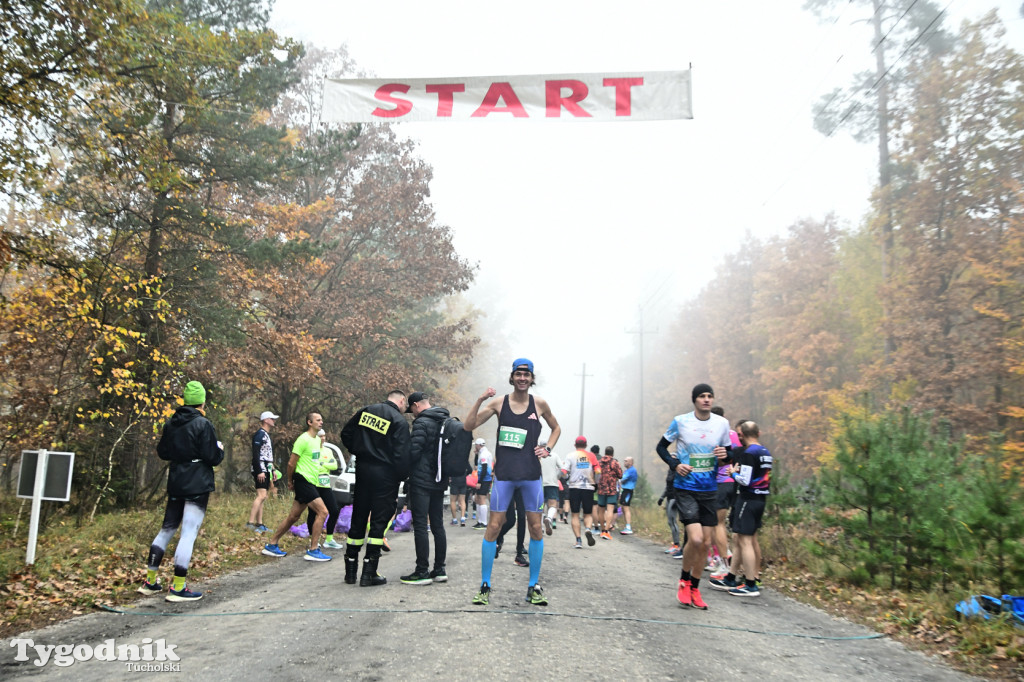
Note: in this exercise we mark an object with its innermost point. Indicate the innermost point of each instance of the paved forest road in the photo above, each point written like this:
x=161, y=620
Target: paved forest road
x=612, y=616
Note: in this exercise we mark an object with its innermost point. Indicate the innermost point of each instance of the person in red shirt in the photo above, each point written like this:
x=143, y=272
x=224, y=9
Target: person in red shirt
x=608, y=492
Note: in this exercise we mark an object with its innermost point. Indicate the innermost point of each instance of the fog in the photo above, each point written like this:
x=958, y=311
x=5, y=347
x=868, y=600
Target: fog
x=578, y=229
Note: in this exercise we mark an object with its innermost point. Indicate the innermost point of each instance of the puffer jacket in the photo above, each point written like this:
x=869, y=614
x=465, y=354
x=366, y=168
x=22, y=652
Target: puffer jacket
x=426, y=430
x=189, y=443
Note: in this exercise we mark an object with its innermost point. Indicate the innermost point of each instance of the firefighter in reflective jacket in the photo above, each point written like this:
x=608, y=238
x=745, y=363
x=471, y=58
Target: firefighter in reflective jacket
x=378, y=436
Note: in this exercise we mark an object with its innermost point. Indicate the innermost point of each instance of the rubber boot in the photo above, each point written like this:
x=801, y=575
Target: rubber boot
x=351, y=568
x=370, y=576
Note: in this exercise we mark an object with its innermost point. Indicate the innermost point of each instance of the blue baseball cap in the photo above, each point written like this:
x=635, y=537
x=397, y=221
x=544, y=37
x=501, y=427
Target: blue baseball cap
x=518, y=363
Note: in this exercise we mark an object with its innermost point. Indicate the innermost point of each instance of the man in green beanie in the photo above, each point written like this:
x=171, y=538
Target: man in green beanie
x=189, y=442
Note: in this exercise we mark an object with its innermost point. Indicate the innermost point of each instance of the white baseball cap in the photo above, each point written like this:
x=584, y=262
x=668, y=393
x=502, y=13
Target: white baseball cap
x=268, y=415
x=479, y=441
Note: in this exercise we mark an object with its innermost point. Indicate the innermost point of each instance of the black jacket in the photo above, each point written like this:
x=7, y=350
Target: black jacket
x=189, y=443
x=426, y=429
x=379, y=434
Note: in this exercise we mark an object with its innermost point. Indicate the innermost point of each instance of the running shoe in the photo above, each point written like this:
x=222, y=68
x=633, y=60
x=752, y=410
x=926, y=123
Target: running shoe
x=262, y=529
x=673, y=548
x=606, y=535
x=184, y=594
x=535, y=597
x=331, y=544
x=720, y=576
x=483, y=597
x=454, y=522
x=696, y=601
x=626, y=531
x=548, y=526
x=316, y=555
x=683, y=593
x=462, y=521
x=521, y=560
x=724, y=584
x=678, y=554
x=590, y=538
x=250, y=526
x=149, y=588
x=578, y=545
x=417, y=578
x=745, y=591
x=439, y=576
x=274, y=550
x=479, y=526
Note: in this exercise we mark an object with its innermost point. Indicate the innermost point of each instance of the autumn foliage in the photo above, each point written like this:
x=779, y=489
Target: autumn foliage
x=194, y=220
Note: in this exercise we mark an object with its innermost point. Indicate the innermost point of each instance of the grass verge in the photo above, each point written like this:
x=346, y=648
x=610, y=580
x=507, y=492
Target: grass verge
x=104, y=562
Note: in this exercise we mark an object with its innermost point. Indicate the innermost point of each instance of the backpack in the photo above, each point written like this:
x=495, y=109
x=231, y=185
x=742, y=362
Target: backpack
x=453, y=445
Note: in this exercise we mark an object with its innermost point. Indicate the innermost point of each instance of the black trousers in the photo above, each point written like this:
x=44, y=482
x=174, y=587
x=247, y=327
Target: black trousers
x=374, y=500
x=428, y=505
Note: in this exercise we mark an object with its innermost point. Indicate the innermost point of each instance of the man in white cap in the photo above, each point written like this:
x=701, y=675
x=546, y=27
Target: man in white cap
x=262, y=470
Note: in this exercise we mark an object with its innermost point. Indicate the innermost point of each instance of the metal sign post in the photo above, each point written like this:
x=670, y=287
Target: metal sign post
x=37, y=503
x=46, y=483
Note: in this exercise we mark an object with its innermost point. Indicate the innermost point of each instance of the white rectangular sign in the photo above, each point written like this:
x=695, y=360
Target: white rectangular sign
x=633, y=96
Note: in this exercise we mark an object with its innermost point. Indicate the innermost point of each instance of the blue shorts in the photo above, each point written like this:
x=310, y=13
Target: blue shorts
x=502, y=492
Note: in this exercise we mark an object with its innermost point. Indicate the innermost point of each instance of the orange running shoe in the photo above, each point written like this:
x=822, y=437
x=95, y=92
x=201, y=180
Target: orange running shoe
x=696, y=601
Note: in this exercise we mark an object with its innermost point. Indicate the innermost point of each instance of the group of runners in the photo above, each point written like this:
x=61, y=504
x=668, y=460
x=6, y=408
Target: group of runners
x=523, y=474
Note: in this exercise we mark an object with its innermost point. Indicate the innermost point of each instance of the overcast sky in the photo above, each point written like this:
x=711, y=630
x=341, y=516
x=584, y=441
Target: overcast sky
x=578, y=225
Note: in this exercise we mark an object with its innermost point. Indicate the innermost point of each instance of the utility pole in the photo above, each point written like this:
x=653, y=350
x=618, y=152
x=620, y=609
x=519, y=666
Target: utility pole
x=583, y=393
x=640, y=439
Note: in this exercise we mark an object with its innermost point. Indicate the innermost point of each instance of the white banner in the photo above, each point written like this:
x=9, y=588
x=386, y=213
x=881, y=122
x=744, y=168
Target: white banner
x=636, y=96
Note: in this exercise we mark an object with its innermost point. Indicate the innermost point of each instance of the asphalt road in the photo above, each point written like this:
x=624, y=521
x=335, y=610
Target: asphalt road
x=612, y=615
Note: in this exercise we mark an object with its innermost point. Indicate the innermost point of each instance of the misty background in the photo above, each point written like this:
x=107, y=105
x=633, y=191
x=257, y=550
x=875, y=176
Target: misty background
x=588, y=237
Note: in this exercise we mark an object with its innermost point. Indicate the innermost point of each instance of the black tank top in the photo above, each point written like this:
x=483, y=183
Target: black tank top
x=514, y=458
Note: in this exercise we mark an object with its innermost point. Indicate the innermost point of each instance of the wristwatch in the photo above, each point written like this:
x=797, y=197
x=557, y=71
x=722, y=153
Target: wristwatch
x=548, y=449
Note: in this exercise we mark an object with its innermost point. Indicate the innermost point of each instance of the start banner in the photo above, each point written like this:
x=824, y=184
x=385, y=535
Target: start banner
x=634, y=96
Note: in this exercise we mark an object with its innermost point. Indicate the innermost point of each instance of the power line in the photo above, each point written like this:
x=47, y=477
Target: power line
x=857, y=106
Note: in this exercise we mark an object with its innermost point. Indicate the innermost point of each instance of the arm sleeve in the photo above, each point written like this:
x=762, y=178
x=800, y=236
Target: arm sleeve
x=666, y=456
x=418, y=442
x=349, y=431
x=210, y=452
x=400, y=441
x=164, y=449
x=257, y=448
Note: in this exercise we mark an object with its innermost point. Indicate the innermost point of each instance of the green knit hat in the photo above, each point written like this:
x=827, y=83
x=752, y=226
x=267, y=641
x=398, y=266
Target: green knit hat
x=194, y=393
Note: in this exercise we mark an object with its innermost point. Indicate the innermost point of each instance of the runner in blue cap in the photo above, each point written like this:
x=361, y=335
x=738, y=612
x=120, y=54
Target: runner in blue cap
x=517, y=467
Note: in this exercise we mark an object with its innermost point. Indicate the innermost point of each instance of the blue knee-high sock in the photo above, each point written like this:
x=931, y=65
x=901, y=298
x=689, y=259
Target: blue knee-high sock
x=487, y=560
x=536, y=556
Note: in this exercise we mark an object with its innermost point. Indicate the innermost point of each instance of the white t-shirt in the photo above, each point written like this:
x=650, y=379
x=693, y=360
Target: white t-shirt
x=581, y=465
x=549, y=470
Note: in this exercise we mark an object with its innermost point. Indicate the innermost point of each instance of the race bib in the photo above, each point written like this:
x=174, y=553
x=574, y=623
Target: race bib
x=325, y=481
x=703, y=463
x=511, y=437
